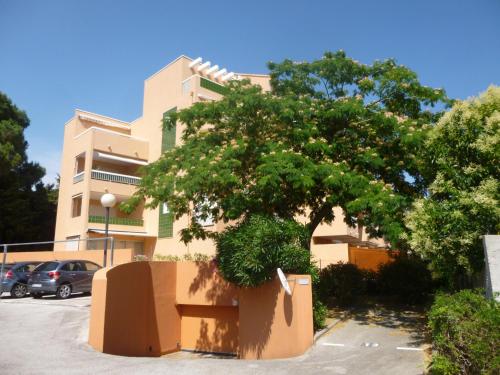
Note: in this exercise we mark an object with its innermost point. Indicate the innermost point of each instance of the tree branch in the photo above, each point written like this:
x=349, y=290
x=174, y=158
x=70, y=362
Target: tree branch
x=317, y=218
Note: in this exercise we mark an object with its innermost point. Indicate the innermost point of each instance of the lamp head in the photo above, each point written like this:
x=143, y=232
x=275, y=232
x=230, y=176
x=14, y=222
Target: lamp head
x=108, y=200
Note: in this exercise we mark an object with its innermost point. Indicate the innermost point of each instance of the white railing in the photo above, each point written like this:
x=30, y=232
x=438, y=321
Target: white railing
x=78, y=177
x=115, y=177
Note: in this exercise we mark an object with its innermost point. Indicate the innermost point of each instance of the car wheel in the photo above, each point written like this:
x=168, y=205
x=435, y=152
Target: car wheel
x=36, y=295
x=19, y=291
x=64, y=291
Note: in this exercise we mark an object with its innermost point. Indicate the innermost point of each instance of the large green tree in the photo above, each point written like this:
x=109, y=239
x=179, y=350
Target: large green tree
x=331, y=132
x=27, y=206
x=462, y=157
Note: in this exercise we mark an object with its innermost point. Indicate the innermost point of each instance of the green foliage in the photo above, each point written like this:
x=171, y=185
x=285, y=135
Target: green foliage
x=249, y=253
x=462, y=161
x=320, y=313
x=342, y=282
x=466, y=334
x=196, y=257
x=407, y=279
x=28, y=207
x=332, y=132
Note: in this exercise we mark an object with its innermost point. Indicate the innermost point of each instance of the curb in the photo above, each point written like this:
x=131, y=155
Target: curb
x=321, y=333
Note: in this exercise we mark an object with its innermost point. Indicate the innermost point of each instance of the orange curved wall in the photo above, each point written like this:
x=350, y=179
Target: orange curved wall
x=152, y=308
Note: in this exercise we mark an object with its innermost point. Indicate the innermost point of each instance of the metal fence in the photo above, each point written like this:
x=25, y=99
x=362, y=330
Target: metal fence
x=70, y=242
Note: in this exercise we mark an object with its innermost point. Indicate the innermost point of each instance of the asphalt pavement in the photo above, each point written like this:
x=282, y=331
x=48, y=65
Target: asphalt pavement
x=49, y=336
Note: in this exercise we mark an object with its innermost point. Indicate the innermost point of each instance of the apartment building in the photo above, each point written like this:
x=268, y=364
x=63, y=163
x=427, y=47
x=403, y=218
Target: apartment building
x=103, y=154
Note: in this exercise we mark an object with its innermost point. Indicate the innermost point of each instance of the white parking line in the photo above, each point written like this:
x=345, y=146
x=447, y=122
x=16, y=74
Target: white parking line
x=408, y=348
x=331, y=344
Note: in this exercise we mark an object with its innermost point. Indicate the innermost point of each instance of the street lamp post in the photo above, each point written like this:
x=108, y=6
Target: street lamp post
x=107, y=200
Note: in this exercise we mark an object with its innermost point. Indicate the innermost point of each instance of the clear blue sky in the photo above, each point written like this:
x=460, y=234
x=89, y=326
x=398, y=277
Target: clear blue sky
x=58, y=55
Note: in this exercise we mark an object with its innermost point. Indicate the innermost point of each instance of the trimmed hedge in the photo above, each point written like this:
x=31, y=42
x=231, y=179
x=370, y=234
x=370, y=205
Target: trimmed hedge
x=466, y=334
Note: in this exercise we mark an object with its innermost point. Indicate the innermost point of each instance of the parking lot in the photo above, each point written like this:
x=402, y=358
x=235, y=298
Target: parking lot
x=49, y=336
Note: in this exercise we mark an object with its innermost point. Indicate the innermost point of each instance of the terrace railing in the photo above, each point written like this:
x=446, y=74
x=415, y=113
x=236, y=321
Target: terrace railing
x=115, y=177
x=78, y=177
x=116, y=220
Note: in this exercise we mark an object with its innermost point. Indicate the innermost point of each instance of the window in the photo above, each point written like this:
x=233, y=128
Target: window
x=91, y=266
x=80, y=163
x=203, y=214
x=138, y=247
x=22, y=269
x=47, y=266
x=31, y=267
x=186, y=86
x=73, y=243
x=76, y=209
x=71, y=266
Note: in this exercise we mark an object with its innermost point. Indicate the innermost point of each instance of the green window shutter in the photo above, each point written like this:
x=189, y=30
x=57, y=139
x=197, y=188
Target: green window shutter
x=168, y=135
x=166, y=220
x=213, y=86
x=166, y=225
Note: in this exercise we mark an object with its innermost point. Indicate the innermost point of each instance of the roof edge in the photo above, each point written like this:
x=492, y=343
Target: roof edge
x=166, y=66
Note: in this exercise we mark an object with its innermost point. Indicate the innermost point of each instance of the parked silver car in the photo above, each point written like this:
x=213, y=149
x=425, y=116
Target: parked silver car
x=15, y=278
x=62, y=278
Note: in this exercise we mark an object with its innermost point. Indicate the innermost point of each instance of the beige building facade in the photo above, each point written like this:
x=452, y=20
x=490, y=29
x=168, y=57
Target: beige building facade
x=103, y=154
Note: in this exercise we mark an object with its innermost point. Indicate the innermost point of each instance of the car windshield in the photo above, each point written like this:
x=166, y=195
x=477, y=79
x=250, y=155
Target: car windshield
x=7, y=267
x=47, y=266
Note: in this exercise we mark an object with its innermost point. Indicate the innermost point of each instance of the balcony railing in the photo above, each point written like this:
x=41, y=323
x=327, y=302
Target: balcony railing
x=116, y=220
x=78, y=177
x=115, y=177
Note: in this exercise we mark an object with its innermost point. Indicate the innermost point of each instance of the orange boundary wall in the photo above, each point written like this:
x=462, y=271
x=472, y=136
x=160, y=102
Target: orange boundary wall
x=370, y=258
x=153, y=308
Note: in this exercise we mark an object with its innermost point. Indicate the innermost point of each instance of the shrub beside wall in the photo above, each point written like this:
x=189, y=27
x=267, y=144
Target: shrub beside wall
x=466, y=334
x=249, y=253
x=196, y=257
x=341, y=283
x=406, y=279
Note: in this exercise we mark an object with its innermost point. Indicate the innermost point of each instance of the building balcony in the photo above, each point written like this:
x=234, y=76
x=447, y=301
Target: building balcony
x=78, y=177
x=114, y=177
x=98, y=219
x=118, y=220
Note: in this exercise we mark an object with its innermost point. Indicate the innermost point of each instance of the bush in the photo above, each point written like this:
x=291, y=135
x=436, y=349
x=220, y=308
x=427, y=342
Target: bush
x=196, y=257
x=249, y=253
x=465, y=329
x=320, y=312
x=407, y=279
x=370, y=282
x=342, y=282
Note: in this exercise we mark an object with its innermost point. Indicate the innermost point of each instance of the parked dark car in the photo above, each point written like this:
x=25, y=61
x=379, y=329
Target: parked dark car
x=62, y=278
x=15, y=278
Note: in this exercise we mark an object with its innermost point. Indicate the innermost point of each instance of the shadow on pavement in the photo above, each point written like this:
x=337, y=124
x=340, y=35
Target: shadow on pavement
x=411, y=320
